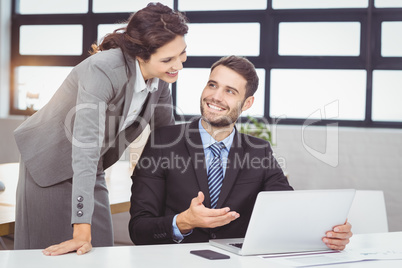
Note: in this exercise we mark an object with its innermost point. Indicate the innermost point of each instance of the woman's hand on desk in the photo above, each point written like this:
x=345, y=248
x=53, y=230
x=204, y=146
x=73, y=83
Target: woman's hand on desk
x=338, y=238
x=81, y=242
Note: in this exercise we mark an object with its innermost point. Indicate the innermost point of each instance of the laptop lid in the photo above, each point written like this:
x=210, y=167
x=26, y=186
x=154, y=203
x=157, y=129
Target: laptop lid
x=291, y=221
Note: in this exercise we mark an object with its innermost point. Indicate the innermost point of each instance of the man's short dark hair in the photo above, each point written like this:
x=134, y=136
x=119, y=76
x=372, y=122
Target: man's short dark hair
x=244, y=67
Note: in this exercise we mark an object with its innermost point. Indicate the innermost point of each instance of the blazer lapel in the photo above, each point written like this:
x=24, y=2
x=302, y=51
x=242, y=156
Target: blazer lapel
x=131, y=73
x=232, y=169
x=196, y=152
x=127, y=136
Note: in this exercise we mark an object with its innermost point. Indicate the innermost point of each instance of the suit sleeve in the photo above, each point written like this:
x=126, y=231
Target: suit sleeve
x=275, y=179
x=95, y=89
x=148, y=223
x=163, y=114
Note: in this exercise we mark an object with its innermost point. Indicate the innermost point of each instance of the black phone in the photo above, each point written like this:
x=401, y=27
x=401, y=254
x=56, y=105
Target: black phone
x=210, y=254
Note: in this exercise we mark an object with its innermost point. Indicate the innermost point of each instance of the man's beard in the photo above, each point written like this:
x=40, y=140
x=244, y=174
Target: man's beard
x=221, y=121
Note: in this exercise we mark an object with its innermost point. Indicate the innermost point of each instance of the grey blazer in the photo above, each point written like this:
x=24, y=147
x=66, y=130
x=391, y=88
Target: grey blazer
x=77, y=134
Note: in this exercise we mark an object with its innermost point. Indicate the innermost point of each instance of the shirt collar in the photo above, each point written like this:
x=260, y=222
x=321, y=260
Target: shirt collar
x=208, y=140
x=151, y=85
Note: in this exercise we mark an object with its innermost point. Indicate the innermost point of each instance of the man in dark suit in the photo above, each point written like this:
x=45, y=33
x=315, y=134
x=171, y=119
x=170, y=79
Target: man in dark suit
x=184, y=190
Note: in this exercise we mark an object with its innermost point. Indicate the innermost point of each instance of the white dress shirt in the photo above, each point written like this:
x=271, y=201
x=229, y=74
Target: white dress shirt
x=141, y=90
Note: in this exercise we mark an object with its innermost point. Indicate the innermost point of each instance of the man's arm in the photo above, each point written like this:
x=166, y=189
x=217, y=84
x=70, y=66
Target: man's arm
x=148, y=223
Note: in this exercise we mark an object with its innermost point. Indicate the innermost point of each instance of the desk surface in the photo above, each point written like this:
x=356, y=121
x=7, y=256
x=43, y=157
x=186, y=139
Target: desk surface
x=118, y=182
x=179, y=256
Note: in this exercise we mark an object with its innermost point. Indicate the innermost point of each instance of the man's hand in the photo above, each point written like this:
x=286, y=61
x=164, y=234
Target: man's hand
x=338, y=238
x=197, y=215
x=81, y=242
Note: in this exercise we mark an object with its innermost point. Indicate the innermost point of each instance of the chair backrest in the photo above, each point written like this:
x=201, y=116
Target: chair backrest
x=367, y=213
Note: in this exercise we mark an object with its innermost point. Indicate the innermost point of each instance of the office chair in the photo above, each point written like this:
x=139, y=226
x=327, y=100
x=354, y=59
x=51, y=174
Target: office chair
x=368, y=213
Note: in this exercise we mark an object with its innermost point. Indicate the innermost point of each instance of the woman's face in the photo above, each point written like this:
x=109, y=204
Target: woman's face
x=166, y=62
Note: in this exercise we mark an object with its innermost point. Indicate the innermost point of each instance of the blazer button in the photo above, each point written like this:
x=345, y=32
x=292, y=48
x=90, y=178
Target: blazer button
x=80, y=198
x=80, y=213
x=80, y=205
x=213, y=235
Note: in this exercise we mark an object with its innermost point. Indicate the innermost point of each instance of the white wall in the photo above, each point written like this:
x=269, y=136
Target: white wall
x=8, y=148
x=363, y=159
x=5, y=33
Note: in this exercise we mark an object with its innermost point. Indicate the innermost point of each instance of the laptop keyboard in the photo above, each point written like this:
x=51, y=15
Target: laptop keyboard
x=238, y=245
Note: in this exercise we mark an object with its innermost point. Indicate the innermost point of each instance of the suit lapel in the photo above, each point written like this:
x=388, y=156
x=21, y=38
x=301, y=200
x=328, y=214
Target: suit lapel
x=144, y=117
x=196, y=152
x=232, y=169
x=131, y=73
x=128, y=135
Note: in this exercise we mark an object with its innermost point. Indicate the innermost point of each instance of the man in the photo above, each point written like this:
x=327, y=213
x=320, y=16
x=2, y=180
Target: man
x=181, y=166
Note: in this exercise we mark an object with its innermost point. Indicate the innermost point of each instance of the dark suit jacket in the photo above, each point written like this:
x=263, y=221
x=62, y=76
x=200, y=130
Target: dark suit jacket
x=172, y=170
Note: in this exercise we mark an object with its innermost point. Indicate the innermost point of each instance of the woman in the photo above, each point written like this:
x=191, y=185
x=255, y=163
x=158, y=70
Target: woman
x=101, y=107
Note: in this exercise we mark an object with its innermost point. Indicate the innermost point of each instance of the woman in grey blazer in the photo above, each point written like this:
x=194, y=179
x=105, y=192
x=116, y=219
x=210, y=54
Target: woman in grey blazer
x=101, y=107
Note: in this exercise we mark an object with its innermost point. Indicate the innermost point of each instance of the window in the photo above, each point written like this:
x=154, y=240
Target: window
x=212, y=5
x=217, y=39
x=387, y=93
x=299, y=93
x=51, y=40
x=123, y=6
x=51, y=7
x=319, y=39
x=338, y=61
x=318, y=4
x=104, y=29
x=391, y=43
x=37, y=84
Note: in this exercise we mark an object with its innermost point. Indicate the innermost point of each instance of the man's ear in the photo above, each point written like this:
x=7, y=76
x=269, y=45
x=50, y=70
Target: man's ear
x=248, y=103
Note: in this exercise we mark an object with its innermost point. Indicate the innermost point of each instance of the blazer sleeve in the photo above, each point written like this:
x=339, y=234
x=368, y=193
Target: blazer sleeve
x=148, y=224
x=95, y=90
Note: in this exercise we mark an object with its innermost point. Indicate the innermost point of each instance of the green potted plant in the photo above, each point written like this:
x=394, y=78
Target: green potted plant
x=257, y=128
x=261, y=129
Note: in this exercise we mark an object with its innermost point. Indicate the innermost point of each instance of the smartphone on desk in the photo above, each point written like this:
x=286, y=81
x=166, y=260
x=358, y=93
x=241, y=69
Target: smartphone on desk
x=210, y=254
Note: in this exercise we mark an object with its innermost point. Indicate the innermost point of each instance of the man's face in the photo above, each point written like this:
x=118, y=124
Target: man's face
x=223, y=98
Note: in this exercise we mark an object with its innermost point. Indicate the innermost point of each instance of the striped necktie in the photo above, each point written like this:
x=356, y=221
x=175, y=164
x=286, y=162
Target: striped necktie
x=215, y=173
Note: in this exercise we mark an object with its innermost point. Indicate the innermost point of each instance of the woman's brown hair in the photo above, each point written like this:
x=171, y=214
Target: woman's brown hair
x=147, y=30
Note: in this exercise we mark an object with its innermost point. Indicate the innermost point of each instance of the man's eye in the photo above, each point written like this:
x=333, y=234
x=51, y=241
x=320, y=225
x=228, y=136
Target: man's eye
x=166, y=61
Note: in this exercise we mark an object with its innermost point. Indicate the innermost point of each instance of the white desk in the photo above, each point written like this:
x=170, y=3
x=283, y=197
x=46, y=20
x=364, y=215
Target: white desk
x=179, y=256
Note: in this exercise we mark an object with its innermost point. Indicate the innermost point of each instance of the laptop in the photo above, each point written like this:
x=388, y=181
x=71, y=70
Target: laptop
x=290, y=221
